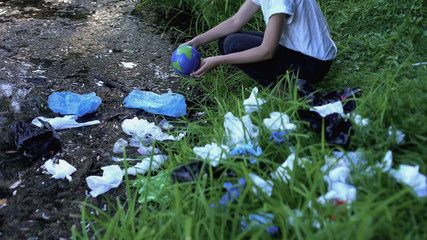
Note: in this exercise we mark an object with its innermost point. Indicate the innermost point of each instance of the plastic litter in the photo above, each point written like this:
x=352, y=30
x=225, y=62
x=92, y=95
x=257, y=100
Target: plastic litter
x=212, y=152
x=142, y=130
x=411, y=176
x=189, y=172
x=260, y=220
x=148, y=151
x=111, y=178
x=129, y=65
x=144, y=166
x=279, y=137
x=59, y=170
x=153, y=188
x=246, y=148
x=330, y=108
x=341, y=191
x=119, y=144
x=166, y=125
x=284, y=170
x=265, y=185
x=72, y=103
x=253, y=104
x=169, y=104
x=66, y=122
x=338, y=130
x=232, y=194
x=239, y=130
x=279, y=122
x=36, y=142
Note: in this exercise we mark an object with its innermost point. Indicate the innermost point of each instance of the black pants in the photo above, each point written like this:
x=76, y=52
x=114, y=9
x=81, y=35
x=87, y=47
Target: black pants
x=267, y=72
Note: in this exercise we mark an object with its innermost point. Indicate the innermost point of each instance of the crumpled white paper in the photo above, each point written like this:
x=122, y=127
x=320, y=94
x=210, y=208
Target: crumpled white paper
x=253, y=104
x=279, y=122
x=411, y=176
x=239, y=130
x=265, y=185
x=339, y=190
x=59, y=171
x=212, y=152
x=111, y=178
x=59, y=123
x=118, y=146
x=324, y=110
x=144, y=130
x=143, y=166
x=287, y=166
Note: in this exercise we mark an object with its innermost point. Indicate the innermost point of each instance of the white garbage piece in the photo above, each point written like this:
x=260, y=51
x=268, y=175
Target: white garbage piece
x=143, y=166
x=411, y=176
x=330, y=108
x=111, y=178
x=265, y=185
x=66, y=122
x=253, y=104
x=212, y=152
x=118, y=146
x=142, y=130
x=59, y=170
x=239, y=130
x=339, y=191
x=279, y=122
x=283, y=172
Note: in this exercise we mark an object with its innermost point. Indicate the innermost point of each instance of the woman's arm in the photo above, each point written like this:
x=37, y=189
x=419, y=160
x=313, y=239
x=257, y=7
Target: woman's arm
x=263, y=52
x=231, y=25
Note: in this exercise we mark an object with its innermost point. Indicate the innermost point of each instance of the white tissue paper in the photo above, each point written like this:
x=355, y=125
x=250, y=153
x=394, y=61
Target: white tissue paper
x=239, y=130
x=411, y=176
x=279, y=122
x=143, y=166
x=212, y=152
x=287, y=167
x=59, y=123
x=265, y=185
x=253, y=104
x=118, y=146
x=144, y=130
x=59, y=171
x=111, y=178
x=329, y=108
x=341, y=191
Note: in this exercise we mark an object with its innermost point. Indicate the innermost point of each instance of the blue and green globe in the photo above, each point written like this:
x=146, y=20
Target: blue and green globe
x=185, y=60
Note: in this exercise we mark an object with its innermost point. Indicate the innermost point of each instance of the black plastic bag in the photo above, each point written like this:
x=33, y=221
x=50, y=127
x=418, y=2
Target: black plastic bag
x=337, y=129
x=191, y=171
x=36, y=142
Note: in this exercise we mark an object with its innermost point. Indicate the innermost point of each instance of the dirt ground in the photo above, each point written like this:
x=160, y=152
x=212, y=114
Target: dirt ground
x=51, y=46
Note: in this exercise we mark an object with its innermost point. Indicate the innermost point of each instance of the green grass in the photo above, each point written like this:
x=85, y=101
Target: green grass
x=378, y=41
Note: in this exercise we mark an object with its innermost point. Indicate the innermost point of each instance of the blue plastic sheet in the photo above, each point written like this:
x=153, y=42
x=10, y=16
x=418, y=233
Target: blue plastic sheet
x=169, y=104
x=261, y=220
x=72, y=103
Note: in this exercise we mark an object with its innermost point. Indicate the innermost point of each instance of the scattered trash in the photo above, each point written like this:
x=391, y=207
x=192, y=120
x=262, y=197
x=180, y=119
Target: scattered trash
x=287, y=167
x=232, y=194
x=111, y=178
x=59, y=123
x=330, y=108
x=411, y=176
x=142, y=130
x=169, y=104
x=72, y=103
x=59, y=168
x=419, y=63
x=36, y=142
x=128, y=65
x=265, y=185
x=189, y=172
x=260, y=220
x=279, y=122
x=120, y=145
x=278, y=137
x=166, y=125
x=246, y=148
x=148, y=151
x=153, y=188
x=144, y=166
x=253, y=104
x=212, y=152
x=239, y=130
x=398, y=135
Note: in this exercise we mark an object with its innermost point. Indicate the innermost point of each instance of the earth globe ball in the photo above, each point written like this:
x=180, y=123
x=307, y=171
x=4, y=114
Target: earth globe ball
x=185, y=60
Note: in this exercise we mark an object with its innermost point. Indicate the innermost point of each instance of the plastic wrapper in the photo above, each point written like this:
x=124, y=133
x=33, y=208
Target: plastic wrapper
x=212, y=152
x=36, y=142
x=65, y=122
x=279, y=122
x=59, y=170
x=144, y=166
x=111, y=178
x=260, y=220
x=253, y=103
x=169, y=104
x=153, y=188
x=233, y=193
x=239, y=130
x=191, y=171
x=72, y=103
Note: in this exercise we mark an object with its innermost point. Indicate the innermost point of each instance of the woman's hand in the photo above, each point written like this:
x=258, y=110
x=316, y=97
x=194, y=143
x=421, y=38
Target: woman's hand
x=207, y=65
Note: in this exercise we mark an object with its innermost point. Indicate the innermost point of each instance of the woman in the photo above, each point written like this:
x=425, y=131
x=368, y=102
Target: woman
x=296, y=38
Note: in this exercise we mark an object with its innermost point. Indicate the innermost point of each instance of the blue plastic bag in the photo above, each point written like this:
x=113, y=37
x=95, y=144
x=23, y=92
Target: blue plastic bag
x=169, y=104
x=73, y=103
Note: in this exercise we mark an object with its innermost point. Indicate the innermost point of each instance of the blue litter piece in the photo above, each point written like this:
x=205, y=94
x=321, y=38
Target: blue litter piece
x=248, y=148
x=264, y=220
x=278, y=137
x=169, y=104
x=72, y=103
x=232, y=194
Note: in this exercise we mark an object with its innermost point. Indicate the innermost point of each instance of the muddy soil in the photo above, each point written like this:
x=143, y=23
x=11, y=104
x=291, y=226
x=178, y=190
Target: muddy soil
x=51, y=46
